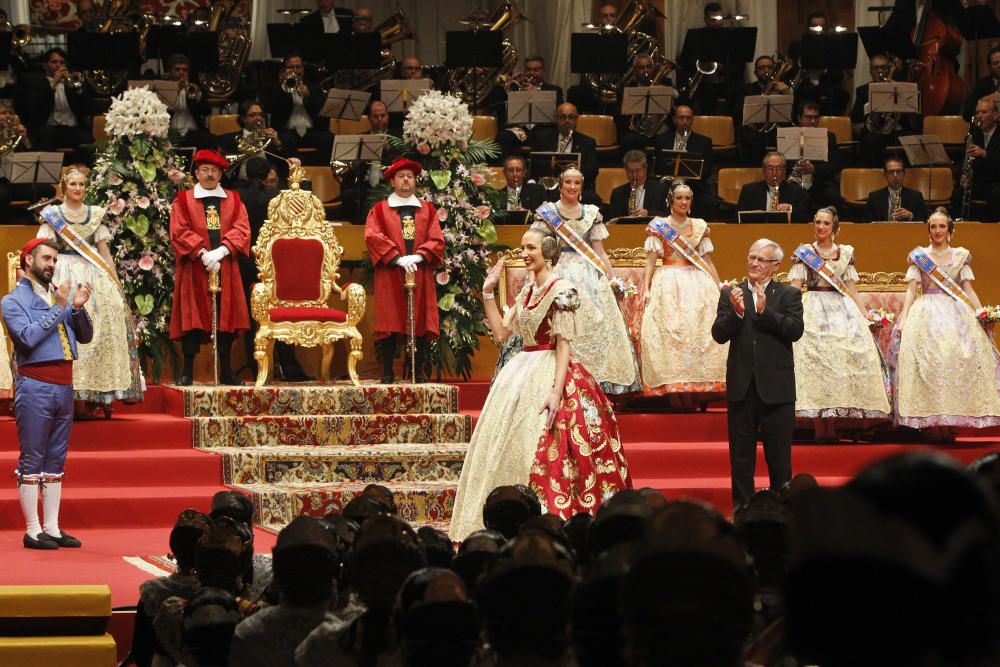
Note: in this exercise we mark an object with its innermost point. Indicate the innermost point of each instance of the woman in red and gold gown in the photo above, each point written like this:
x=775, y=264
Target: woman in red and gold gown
x=546, y=421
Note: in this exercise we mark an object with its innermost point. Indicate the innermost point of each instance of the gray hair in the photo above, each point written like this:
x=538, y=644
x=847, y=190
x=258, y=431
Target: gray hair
x=770, y=154
x=779, y=254
x=634, y=156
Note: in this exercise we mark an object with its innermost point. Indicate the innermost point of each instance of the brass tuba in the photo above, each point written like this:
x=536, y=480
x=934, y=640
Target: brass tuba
x=473, y=87
x=9, y=136
x=234, y=49
x=393, y=29
x=885, y=123
x=605, y=86
x=20, y=38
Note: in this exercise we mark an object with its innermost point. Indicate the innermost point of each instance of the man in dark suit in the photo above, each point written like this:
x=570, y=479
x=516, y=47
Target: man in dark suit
x=295, y=115
x=55, y=111
x=754, y=143
x=757, y=196
x=985, y=153
x=533, y=78
x=643, y=73
x=650, y=194
x=518, y=195
x=873, y=144
x=911, y=202
x=987, y=85
x=567, y=140
x=328, y=18
x=251, y=117
x=188, y=116
x=760, y=319
x=819, y=178
x=698, y=147
x=357, y=182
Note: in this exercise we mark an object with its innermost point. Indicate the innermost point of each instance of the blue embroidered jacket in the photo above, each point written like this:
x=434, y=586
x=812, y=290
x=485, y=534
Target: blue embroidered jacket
x=33, y=325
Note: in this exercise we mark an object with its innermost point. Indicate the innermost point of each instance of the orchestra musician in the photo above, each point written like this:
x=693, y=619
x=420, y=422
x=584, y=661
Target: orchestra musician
x=643, y=74
x=716, y=91
x=356, y=183
x=532, y=78
x=819, y=178
x=988, y=85
x=519, y=195
x=55, y=108
x=11, y=128
x=894, y=201
x=699, y=147
x=754, y=143
x=873, y=144
x=641, y=196
x=295, y=107
x=411, y=68
x=567, y=140
x=608, y=15
x=824, y=87
x=984, y=150
x=329, y=18
x=775, y=193
x=362, y=21
x=188, y=116
x=251, y=118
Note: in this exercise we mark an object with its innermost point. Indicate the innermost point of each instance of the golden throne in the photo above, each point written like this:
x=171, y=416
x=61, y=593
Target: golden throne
x=298, y=257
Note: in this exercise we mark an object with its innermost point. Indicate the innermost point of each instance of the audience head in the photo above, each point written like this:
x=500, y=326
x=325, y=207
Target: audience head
x=508, y=507
x=566, y=117
x=619, y=521
x=895, y=171
x=987, y=469
x=775, y=168
x=233, y=504
x=378, y=117
x=596, y=624
x=360, y=508
x=763, y=260
x=223, y=554
x=436, y=621
x=635, y=167
x=437, y=545
x=382, y=494
x=257, y=169
x=307, y=559
x=385, y=552
x=210, y=618
x=475, y=555
x=184, y=537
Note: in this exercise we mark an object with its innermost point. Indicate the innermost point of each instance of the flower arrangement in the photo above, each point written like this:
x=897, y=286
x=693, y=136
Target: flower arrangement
x=136, y=176
x=988, y=314
x=624, y=287
x=880, y=317
x=436, y=133
x=725, y=284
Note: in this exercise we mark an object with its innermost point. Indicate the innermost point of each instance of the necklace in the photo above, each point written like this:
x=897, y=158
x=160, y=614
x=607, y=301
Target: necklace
x=829, y=254
x=564, y=211
x=70, y=215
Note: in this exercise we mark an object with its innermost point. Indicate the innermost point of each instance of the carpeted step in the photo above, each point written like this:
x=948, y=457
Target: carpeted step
x=126, y=432
x=330, y=430
x=418, y=502
x=170, y=467
x=338, y=399
x=381, y=464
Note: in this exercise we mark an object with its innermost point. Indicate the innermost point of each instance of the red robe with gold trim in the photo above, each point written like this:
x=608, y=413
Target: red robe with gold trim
x=189, y=235
x=384, y=238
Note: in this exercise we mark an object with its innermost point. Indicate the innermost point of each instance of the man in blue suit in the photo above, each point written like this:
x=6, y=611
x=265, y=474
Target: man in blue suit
x=45, y=322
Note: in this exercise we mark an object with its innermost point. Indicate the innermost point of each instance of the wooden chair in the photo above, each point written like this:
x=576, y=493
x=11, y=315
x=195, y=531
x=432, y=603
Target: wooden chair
x=602, y=129
x=97, y=127
x=841, y=128
x=935, y=183
x=609, y=178
x=223, y=124
x=484, y=127
x=345, y=126
x=324, y=185
x=719, y=129
x=855, y=184
x=951, y=130
x=298, y=257
x=732, y=180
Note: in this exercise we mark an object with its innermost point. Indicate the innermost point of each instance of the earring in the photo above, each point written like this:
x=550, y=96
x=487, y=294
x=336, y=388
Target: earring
x=548, y=263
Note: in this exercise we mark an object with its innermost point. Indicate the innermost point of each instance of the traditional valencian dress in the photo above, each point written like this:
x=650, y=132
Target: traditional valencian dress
x=108, y=367
x=574, y=466
x=838, y=370
x=6, y=375
x=602, y=343
x=678, y=353
x=947, y=371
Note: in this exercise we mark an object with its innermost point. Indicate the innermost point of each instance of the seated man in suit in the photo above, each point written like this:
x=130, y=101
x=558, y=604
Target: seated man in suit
x=754, y=143
x=533, y=78
x=188, y=118
x=909, y=204
x=518, y=195
x=329, y=18
x=649, y=126
x=252, y=119
x=650, y=196
x=819, y=178
x=775, y=193
x=698, y=147
x=985, y=180
x=356, y=183
x=567, y=140
x=10, y=191
x=55, y=110
x=295, y=114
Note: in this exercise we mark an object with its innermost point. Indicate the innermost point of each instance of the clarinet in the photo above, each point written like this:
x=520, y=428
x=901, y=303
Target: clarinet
x=967, y=172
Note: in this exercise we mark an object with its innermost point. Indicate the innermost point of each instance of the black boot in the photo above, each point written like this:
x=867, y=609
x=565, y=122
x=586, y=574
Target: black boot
x=387, y=348
x=187, y=374
x=421, y=360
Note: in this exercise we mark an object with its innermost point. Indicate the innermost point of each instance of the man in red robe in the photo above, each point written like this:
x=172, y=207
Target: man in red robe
x=208, y=229
x=403, y=235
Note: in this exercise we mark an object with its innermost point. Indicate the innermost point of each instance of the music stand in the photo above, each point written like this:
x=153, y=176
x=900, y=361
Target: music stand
x=32, y=166
x=103, y=51
x=203, y=50
x=925, y=150
x=399, y=94
x=728, y=46
x=642, y=100
x=677, y=165
x=354, y=51
x=544, y=167
x=357, y=150
x=598, y=53
x=763, y=217
x=764, y=109
x=345, y=104
x=167, y=91
x=803, y=143
x=829, y=50
x=286, y=38
x=893, y=97
x=882, y=41
x=525, y=107
x=164, y=41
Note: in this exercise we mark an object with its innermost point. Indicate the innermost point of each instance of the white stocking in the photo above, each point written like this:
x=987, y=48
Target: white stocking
x=28, y=494
x=51, y=494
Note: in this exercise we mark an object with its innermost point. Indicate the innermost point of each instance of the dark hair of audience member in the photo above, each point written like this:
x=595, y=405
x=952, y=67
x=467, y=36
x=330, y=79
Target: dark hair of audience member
x=210, y=618
x=475, y=555
x=508, y=507
x=437, y=623
x=596, y=624
x=362, y=507
x=437, y=545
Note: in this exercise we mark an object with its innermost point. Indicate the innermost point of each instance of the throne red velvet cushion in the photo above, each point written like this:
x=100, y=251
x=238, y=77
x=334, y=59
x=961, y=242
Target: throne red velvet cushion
x=300, y=314
x=298, y=269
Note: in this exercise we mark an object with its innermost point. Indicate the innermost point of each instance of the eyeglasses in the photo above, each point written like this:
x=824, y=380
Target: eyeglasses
x=761, y=260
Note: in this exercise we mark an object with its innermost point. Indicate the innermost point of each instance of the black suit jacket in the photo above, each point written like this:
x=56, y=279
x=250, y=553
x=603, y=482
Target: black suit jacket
x=40, y=100
x=760, y=346
x=860, y=100
x=654, y=201
x=344, y=18
x=532, y=196
x=279, y=105
x=698, y=145
x=985, y=86
x=582, y=144
x=753, y=197
x=877, y=207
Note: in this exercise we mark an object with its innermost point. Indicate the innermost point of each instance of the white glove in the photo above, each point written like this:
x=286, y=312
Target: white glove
x=409, y=262
x=213, y=266
x=214, y=256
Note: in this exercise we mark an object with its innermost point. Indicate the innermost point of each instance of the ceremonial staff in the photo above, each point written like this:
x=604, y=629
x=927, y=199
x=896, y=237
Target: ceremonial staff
x=214, y=287
x=410, y=282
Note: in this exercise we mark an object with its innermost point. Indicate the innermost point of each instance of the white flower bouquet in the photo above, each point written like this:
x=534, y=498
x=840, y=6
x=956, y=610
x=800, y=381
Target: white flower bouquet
x=137, y=111
x=437, y=121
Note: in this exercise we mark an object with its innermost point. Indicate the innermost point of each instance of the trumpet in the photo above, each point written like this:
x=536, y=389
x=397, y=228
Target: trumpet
x=290, y=84
x=633, y=198
x=193, y=91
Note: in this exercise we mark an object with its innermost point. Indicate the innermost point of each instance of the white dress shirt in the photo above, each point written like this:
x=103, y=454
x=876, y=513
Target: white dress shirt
x=330, y=23
x=62, y=114
x=299, y=120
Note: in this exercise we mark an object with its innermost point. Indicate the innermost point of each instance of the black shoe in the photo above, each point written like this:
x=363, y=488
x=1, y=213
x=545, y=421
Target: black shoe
x=184, y=381
x=231, y=379
x=389, y=378
x=64, y=540
x=43, y=541
x=296, y=376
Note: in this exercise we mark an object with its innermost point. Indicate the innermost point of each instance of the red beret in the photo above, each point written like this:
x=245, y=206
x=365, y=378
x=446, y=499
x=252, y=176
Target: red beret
x=210, y=157
x=400, y=164
x=28, y=247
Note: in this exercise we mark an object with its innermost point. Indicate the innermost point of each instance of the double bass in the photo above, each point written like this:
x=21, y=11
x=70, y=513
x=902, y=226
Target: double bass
x=937, y=43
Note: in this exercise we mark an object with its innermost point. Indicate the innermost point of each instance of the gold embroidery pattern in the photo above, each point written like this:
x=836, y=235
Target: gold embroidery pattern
x=409, y=228
x=212, y=218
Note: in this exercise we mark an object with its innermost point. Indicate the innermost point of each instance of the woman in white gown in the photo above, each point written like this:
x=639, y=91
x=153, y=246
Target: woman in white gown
x=602, y=342
x=108, y=367
x=838, y=370
x=545, y=422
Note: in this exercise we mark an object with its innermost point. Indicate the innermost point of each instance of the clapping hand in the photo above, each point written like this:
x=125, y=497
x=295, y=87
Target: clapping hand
x=761, y=298
x=493, y=277
x=82, y=294
x=62, y=293
x=736, y=298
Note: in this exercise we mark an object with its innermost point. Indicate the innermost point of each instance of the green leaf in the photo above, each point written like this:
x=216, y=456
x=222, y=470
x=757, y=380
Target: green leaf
x=441, y=178
x=148, y=172
x=446, y=302
x=138, y=224
x=488, y=231
x=144, y=302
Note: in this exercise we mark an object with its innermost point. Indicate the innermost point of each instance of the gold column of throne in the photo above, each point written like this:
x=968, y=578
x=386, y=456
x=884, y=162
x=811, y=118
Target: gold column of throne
x=298, y=257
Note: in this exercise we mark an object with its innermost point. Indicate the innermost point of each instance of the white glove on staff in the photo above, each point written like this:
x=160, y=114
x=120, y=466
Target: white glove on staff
x=409, y=262
x=214, y=256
